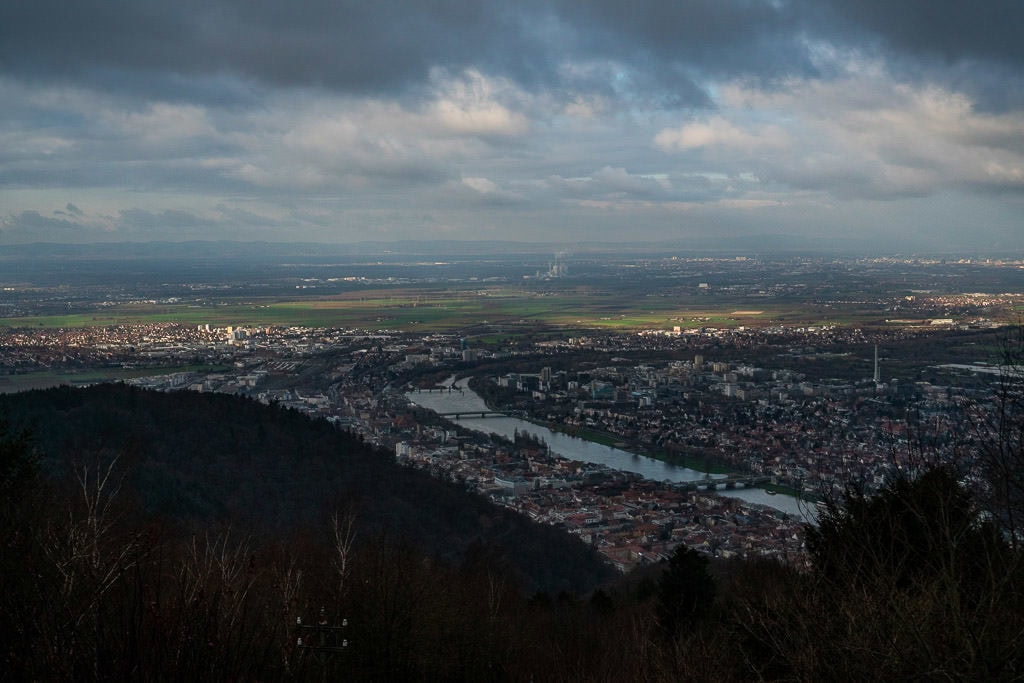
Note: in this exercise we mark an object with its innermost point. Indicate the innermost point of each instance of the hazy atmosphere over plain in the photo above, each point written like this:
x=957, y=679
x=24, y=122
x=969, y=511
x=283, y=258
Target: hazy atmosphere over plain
x=887, y=123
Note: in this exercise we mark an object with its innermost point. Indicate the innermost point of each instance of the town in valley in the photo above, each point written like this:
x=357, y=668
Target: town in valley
x=752, y=387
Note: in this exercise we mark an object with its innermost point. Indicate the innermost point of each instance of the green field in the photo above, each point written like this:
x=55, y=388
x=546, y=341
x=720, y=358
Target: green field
x=495, y=311
x=46, y=379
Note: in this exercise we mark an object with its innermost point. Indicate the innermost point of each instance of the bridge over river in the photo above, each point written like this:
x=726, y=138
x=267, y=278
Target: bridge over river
x=730, y=481
x=476, y=413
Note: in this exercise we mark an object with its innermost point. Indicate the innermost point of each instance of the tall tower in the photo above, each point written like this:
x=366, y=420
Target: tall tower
x=878, y=379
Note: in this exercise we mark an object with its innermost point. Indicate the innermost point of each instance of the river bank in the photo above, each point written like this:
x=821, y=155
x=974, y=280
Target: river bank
x=606, y=439
x=687, y=462
x=464, y=400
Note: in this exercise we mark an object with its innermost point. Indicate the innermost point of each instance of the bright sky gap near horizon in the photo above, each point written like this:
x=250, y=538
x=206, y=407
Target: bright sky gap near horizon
x=887, y=125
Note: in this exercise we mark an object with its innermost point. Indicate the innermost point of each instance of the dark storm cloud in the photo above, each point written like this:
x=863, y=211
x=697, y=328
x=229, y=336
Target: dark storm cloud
x=973, y=47
x=388, y=45
x=953, y=30
x=355, y=45
x=712, y=35
x=392, y=45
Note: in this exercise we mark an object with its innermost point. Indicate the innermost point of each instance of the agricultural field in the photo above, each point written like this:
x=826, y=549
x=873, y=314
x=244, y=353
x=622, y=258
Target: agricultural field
x=46, y=379
x=504, y=296
x=412, y=309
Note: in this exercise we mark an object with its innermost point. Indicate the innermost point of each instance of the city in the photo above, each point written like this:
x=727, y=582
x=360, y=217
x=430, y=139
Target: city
x=802, y=410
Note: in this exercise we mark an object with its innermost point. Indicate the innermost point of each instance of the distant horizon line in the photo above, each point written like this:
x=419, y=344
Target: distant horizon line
x=747, y=246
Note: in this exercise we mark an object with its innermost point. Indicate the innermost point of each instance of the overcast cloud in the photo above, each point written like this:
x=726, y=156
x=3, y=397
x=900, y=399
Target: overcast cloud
x=899, y=123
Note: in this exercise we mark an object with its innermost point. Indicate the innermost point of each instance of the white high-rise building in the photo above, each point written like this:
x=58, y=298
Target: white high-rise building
x=878, y=378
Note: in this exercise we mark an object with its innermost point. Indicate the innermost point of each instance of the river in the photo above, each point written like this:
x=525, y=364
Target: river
x=462, y=398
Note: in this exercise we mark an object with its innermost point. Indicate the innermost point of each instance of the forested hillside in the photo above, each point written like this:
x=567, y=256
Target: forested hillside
x=196, y=461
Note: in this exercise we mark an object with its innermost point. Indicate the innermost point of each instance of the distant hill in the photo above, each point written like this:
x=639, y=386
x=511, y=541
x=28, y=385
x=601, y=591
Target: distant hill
x=199, y=460
x=222, y=250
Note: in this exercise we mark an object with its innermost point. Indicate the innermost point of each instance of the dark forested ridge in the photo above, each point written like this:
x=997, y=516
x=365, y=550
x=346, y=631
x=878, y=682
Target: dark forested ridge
x=197, y=460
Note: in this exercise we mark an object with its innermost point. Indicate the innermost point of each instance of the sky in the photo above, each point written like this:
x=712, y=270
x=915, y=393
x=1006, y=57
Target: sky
x=893, y=124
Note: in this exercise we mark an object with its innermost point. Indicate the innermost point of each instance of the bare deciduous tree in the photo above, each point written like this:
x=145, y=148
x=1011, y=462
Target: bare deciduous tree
x=998, y=435
x=343, y=526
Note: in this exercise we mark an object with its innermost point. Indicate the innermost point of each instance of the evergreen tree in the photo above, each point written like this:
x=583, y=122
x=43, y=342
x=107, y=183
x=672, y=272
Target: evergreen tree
x=685, y=591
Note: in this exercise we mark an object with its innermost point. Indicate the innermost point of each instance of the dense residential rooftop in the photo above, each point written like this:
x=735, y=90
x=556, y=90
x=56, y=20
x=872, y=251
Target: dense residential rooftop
x=748, y=400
